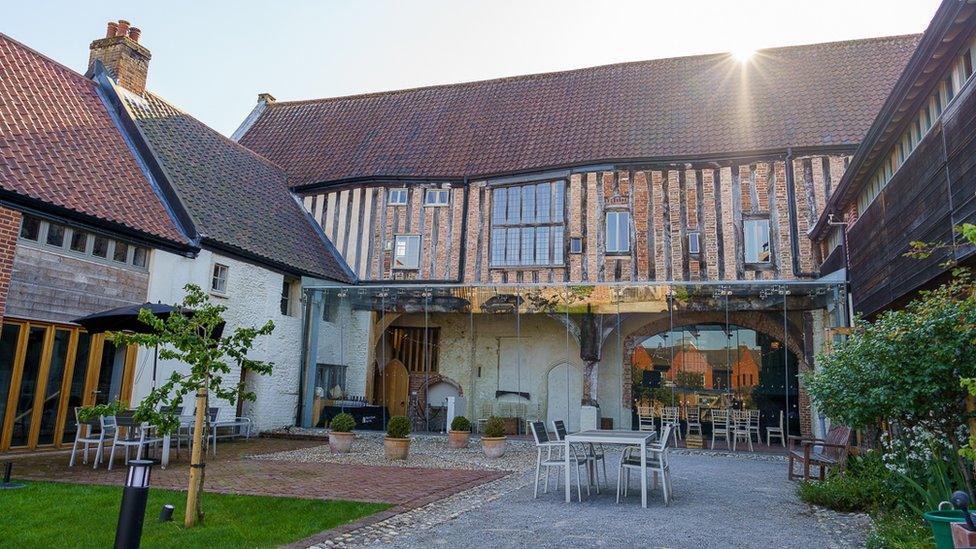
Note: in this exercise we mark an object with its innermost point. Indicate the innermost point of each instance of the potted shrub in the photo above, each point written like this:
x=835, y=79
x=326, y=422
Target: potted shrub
x=340, y=433
x=493, y=441
x=460, y=432
x=396, y=444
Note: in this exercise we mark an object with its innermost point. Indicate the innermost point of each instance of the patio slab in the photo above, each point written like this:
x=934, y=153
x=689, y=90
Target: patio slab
x=234, y=471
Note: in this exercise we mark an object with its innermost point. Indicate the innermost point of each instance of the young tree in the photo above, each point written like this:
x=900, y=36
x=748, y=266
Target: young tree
x=191, y=339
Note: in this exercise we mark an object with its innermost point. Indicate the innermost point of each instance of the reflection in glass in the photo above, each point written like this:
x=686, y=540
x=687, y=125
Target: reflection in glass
x=28, y=386
x=110, y=373
x=76, y=392
x=8, y=351
x=52, y=389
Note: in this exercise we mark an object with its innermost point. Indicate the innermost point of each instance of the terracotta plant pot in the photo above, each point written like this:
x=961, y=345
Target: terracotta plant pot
x=458, y=439
x=396, y=448
x=340, y=443
x=494, y=447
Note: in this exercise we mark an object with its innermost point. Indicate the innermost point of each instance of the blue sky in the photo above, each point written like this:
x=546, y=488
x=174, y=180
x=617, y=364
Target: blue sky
x=212, y=58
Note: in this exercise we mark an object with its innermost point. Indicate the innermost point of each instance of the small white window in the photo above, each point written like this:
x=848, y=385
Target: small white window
x=618, y=232
x=757, y=240
x=397, y=197
x=436, y=197
x=575, y=244
x=406, y=252
x=694, y=244
x=218, y=284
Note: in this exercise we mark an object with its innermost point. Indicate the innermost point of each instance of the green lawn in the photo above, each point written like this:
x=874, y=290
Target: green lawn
x=46, y=514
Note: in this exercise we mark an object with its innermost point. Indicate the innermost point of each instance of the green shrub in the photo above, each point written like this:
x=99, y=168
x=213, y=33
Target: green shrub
x=343, y=423
x=865, y=486
x=88, y=413
x=398, y=427
x=460, y=423
x=494, y=427
x=899, y=531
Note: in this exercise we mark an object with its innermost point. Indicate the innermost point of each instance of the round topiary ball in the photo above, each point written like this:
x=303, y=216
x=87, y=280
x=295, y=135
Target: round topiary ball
x=495, y=427
x=460, y=423
x=398, y=427
x=343, y=423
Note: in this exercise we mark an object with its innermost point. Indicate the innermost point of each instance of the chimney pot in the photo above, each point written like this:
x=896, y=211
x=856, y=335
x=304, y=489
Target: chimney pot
x=123, y=28
x=113, y=29
x=124, y=58
x=134, y=33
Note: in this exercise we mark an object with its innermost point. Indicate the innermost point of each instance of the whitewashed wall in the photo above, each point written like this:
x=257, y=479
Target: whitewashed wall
x=252, y=298
x=345, y=340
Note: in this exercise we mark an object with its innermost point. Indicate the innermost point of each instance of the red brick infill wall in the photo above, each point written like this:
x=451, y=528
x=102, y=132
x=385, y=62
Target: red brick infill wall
x=9, y=230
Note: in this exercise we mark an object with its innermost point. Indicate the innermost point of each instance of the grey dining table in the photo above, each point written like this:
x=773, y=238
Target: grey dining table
x=602, y=436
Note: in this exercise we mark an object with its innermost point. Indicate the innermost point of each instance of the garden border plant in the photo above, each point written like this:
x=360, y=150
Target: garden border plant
x=459, y=433
x=341, y=436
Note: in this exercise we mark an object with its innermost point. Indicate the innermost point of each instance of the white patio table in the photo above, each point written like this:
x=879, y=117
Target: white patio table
x=626, y=438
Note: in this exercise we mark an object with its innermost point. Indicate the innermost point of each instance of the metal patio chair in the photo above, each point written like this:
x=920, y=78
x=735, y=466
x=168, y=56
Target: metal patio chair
x=594, y=453
x=543, y=443
x=657, y=463
x=130, y=433
x=85, y=435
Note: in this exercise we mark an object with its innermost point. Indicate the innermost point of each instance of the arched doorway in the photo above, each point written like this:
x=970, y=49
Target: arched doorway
x=717, y=366
x=564, y=394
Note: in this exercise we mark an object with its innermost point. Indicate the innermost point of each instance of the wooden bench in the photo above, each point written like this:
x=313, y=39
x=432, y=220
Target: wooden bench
x=829, y=452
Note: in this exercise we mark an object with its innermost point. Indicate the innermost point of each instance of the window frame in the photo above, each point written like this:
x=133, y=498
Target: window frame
x=406, y=238
x=745, y=242
x=287, y=304
x=616, y=215
x=389, y=196
x=696, y=235
x=215, y=277
x=428, y=203
x=525, y=218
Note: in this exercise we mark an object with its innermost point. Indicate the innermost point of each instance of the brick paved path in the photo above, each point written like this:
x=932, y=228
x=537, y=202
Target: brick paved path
x=232, y=472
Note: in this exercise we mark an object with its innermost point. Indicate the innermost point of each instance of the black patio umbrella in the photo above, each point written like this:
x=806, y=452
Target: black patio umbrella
x=126, y=319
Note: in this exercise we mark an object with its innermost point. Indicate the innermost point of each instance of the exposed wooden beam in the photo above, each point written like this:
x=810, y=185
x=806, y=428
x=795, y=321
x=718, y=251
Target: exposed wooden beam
x=719, y=222
x=740, y=270
x=683, y=224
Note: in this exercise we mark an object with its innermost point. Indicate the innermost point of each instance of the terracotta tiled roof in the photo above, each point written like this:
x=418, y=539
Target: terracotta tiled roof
x=815, y=95
x=60, y=146
x=234, y=197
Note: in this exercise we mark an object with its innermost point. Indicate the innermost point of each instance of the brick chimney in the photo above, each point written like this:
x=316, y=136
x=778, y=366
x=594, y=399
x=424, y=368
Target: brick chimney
x=122, y=55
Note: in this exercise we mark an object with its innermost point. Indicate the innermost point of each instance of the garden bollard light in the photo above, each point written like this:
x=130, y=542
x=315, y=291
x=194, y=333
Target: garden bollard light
x=6, y=484
x=133, y=509
x=166, y=514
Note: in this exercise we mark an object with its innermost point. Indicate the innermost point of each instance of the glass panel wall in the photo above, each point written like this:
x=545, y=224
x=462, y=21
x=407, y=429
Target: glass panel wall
x=539, y=352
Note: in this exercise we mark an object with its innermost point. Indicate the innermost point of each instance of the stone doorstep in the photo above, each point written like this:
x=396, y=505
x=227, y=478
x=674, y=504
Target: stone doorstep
x=381, y=516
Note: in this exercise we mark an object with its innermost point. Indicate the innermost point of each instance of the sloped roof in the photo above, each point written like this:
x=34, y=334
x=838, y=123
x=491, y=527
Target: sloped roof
x=235, y=198
x=801, y=96
x=59, y=146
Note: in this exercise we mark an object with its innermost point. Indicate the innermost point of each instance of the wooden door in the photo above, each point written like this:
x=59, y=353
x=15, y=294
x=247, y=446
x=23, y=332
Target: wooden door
x=395, y=383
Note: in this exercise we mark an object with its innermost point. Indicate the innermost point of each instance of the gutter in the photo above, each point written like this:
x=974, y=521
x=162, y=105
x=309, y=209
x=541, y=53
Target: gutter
x=794, y=228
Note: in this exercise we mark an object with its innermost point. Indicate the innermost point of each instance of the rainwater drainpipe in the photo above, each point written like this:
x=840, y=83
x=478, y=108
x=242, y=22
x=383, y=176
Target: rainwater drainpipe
x=794, y=228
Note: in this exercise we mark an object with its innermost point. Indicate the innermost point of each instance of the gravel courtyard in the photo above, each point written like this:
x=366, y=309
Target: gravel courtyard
x=720, y=501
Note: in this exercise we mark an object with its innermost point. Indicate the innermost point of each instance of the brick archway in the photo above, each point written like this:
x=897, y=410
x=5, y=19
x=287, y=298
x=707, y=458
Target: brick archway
x=770, y=324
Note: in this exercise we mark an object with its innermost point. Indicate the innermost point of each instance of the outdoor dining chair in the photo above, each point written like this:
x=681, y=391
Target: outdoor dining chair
x=720, y=427
x=85, y=434
x=549, y=461
x=754, y=425
x=129, y=433
x=657, y=463
x=594, y=453
x=693, y=421
x=670, y=417
x=645, y=419
x=740, y=428
x=776, y=432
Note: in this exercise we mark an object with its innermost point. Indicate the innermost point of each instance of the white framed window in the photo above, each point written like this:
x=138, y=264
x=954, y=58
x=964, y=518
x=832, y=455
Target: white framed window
x=140, y=256
x=218, y=280
x=406, y=252
x=527, y=226
x=55, y=235
x=289, y=296
x=756, y=233
x=694, y=242
x=576, y=245
x=437, y=197
x=396, y=197
x=618, y=232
